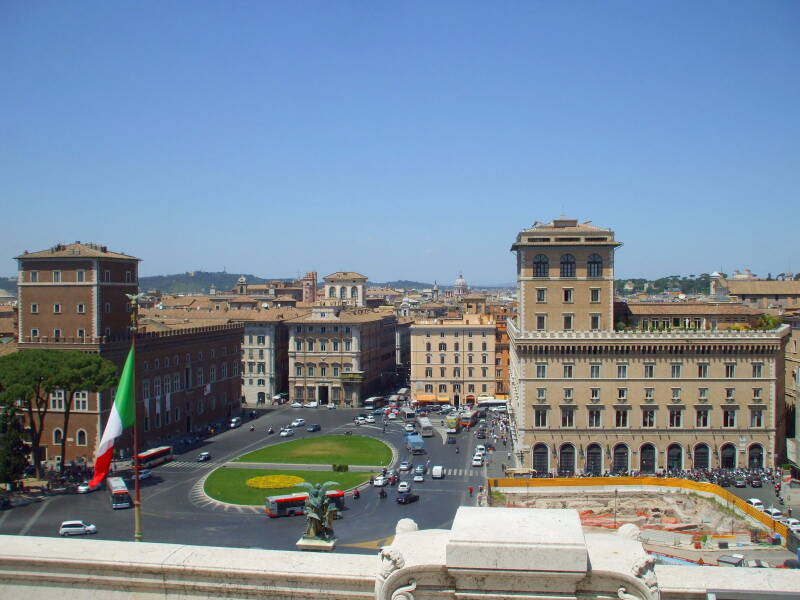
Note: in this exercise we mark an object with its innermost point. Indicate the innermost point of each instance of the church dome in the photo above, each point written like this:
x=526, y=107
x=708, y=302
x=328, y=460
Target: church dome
x=460, y=282
x=241, y=280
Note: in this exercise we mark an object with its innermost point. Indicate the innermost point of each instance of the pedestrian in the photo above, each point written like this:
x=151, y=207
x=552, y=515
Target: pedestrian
x=470, y=492
x=789, y=511
x=508, y=455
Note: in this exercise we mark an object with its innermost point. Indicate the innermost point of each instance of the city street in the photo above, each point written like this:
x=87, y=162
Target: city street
x=175, y=510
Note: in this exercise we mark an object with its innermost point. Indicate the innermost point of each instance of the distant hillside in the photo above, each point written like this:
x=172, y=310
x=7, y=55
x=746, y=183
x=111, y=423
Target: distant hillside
x=195, y=282
x=9, y=285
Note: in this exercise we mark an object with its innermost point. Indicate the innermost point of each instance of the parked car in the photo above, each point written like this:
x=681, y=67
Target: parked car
x=380, y=481
x=740, y=483
x=331, y=406
x=724, y=483
x=313, y=428
x=360, y=420
x=298, y=423
x=773, y=512
x=310, y=405
x=76, y=528
x=756, y=503
x=404, y=466
x=203, y=457
x=236, y=422
x=282, y=397
x=756, y=482
x=287, y=432
x=297, y=404
x=407, y=498
x=792, y=523
x=403, y=486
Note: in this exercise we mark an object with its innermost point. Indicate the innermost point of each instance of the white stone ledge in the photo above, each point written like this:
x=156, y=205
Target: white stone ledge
x=688, y=583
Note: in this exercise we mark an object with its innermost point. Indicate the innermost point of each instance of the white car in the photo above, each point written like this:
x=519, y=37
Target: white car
x=145, y=474
x=380, y=481
x=403, y=487
x=287, y=432
x=773, y=512
x=410, y=427
x=792, y=523
x=76, y=528
x=298, y=423
x=480, y=449
x=392, y=416
x=370, y=419
x=360, y=420
x=419, y=478
x=331, y=406
x=297, y=404
x=310, y=405
x=477, y=461
x=83, y=488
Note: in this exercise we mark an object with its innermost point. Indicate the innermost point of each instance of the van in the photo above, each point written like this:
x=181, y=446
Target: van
x=755, y=503
x=437, y=472
x=236, y=422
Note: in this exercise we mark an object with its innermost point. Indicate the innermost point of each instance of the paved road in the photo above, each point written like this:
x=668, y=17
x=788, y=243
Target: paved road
x=176, y=511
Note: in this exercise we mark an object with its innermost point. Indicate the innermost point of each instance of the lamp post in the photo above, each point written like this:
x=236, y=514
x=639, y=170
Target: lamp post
x=615, y=507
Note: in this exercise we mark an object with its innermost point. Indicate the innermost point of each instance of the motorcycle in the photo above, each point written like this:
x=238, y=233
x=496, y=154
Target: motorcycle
x=382, y=494
x=252, y=427
x=356, y=495
x=270, y=430
x=456, y=449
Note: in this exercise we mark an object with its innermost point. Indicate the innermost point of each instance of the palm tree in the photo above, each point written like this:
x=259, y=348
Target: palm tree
x=320, y=511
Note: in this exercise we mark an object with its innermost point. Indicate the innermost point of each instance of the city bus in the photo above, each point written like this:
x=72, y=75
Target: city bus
x=294, y=504
x=118, y=493
x=486, y=402
x=408, y=414
x=468, y=418
x=425, y=426
x=155, y=457
x=374, y=402
x=453, y=423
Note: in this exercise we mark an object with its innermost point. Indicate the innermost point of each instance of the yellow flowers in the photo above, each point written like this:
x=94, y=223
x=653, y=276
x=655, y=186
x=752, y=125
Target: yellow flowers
x=270, y=482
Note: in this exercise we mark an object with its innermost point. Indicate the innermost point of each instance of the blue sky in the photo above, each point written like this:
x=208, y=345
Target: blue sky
x=400, y=139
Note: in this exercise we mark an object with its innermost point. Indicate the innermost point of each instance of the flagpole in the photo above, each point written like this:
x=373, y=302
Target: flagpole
x=137, y=495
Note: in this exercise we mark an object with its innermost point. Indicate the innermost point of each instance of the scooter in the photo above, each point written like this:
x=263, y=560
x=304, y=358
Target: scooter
x=270, y=430
x=382, y=494
x=252, y=427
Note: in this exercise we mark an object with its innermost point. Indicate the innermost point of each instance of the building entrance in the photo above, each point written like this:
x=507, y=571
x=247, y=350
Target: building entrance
x=647, y=462
x=728, y=456
x=323, y=394
x=594, y=459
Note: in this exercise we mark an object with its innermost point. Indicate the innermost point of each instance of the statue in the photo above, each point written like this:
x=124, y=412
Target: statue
x=320, y=513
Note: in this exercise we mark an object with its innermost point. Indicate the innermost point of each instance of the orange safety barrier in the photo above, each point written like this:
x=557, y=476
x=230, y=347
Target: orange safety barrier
x=687, y=484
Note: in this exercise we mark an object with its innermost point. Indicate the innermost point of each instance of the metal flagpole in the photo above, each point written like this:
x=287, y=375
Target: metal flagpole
x=137, y=496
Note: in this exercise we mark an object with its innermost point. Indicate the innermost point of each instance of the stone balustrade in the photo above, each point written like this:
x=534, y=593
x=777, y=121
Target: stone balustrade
x=497, y=553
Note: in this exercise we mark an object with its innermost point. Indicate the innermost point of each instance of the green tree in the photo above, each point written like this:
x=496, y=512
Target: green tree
x=26, y=380
x=13, y=449
x=79, y=372
x=768, y=322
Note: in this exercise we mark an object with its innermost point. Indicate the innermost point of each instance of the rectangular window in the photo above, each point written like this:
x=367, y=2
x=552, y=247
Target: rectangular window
x=648, y=417
x=442, y=388
x=702, y=393
x=56, y=308
x=758, y=370
x=567, y=322
x=541, y=394
x=470, y=371
x=594, y=394
x=34, y=276
x=107, y=276
x=702, y=370
x=82, y=401
x=298, y=345
x=81, y=333
x=567, y=417
x=676, y=394
x=676, y=370
x=541, y=371
x=675, y=417
x=541, y=295
x=81, y=309
x=730, y=394
x=595, y=322
x=298, y=371
x=568, y=370
x=80, y=276
x=34, y=333
x=568, y=295
x=34, y=308
x=594, y=295
x=756, y=417
x=621, y=418
x=541, y=322
x=56, y=333
x=128, y=277
x=622, y=394
x=347, y=345
x=56, y=276
x=310, y=369
x=594, y=371
x=442, y=372
x=567, y=394
x=702, y=417
x=540, y=417
x=649, y=393
x=484, y=371
x=622, y=371
x=335, y=371
x=728, y=418
x=756, y=394
x=323, y=371
x=594, y=418
x=730, y=370
x=649, y=371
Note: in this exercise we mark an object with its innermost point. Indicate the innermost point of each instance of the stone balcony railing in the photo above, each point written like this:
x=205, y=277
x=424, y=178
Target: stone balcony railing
x=700, y=335
x=490, y=553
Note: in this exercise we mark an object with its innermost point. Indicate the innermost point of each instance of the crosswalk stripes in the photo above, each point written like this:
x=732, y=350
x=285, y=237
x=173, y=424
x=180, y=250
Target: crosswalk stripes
x=185, y=465
x=463, y=472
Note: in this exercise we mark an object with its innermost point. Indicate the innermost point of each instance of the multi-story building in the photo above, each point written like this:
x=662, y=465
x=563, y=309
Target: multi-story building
x=72, y=297
x=265, y=347
x=346, y=288
x=341, y=355
x=453, y=360
x=792, y=387
x=586, y=398
x=662, y=316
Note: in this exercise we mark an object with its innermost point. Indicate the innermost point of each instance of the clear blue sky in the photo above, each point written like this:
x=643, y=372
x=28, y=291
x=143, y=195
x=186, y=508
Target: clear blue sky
x=400, y=139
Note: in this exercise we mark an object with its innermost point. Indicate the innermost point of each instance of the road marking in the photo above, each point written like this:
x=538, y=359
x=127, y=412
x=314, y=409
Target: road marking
x=5, y=516
x=32, y=520
x=371, y=544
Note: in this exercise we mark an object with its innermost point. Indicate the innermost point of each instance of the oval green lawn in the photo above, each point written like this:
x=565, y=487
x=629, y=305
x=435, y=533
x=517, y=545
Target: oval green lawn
x=325, y=450
x=230, y=484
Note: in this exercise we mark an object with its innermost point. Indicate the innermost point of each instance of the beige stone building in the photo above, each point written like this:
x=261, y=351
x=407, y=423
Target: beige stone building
x=792, y=387
x=453, y=360
x=345, y=287
x=586, y=398
x=341, y=356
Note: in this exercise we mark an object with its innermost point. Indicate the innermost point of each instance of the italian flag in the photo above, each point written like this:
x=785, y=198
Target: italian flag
x=122, y=415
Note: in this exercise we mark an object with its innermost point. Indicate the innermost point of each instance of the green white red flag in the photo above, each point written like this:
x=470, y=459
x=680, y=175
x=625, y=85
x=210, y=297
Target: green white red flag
x=122, y=416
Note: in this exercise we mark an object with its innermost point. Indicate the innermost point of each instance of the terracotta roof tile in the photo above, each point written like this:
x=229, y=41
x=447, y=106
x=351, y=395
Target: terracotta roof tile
x=76, y=250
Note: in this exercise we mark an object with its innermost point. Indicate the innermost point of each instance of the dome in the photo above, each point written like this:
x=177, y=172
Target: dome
x=460, y=282
x=241, y=280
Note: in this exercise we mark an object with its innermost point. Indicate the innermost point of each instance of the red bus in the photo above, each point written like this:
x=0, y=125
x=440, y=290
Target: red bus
x=468, y=419
x=294, y=504
x=156, y=456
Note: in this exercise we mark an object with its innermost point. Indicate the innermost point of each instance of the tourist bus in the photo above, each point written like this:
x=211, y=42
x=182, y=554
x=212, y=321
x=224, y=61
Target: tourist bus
x=155, y=457
x=118, y=493
x=294, y=504
x=453, y=423
x=486, y=402
x=425, y=426
x=374, y=402
x=468, y=418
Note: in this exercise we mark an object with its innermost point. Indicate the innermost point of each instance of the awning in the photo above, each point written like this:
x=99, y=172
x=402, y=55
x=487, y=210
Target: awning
x=426, y=398
x=443, y=399
x=470, y=397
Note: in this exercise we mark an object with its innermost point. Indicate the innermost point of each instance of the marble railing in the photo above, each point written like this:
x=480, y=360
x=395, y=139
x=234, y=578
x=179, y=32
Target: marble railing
x=497, y=553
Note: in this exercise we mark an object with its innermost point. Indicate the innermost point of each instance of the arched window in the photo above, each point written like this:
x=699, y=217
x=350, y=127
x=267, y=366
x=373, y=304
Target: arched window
x=342, y=292
x=567, y=265
x=540, y=458
x=81, y=438
x=354, y=292
x=57, y=436
x=701, y=457
x=647, y=462
x=331, y=292
x=620, y=464
x=675, y=457
x=566, y=460
x=595, y=266
x=755, y=457
x=727, y=455
x=541, y=265
x=594, y=459
x=442, y=347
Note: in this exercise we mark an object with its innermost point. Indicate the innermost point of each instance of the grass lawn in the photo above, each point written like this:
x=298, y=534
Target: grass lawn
x=325, y=450
x=229, y=485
